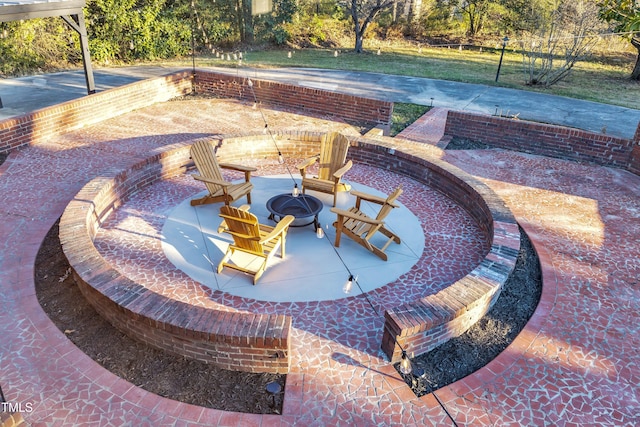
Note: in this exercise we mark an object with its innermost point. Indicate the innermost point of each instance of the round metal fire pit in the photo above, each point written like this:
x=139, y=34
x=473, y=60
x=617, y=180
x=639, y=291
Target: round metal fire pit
x=301, y=207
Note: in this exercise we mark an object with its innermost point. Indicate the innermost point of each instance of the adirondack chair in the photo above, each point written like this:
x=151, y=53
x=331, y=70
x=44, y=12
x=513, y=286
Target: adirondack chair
x=251, y=237
x=332, y=165
x=362, y=228
x=204, y=156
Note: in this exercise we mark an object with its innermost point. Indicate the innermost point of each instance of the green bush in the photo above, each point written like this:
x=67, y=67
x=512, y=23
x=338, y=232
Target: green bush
x=35, y=45
x=316, y=31
x=130, y=30
x=280, y=36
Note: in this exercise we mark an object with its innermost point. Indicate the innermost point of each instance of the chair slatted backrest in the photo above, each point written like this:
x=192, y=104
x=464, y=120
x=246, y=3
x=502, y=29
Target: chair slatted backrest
x=204, y=157
x=333, y=154
x=389, y=203
x=244, y=228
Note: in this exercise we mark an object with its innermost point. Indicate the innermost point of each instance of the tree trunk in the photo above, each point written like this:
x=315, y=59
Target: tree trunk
x=359, y=41
x=361, y=28
x=415, y=10
x=240, y=20
x=635, y=74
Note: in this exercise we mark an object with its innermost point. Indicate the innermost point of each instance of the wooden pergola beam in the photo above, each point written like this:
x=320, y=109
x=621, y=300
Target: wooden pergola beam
x=69, y=10
x=29, y=9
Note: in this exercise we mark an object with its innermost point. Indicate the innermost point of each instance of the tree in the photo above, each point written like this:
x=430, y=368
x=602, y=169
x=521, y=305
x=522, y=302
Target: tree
x=524, y=15
x=625, y=16
x=475, y=12
x=363, y=12
x=36, y=44
x=272, y=26
x=550, y=53
x=412, y=10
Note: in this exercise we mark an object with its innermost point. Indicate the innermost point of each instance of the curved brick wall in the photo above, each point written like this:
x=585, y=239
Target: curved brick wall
x=260, y=343
x=243, y=342
x=428, y=322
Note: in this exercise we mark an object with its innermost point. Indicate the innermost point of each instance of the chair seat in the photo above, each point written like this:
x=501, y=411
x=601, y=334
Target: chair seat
x=324, y=186
x=359, y=226
x=235, y=191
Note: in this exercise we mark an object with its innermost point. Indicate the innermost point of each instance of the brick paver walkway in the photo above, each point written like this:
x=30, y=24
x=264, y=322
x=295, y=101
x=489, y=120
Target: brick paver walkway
x=576, y=363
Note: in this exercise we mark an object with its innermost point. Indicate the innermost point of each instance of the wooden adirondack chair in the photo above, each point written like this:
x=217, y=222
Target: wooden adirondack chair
x=361, y=227
x=204, y=156
x=332, y=165
x=251, y=237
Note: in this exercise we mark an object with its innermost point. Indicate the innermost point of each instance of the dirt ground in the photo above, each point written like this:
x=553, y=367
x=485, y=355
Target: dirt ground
x=165, y=374
x=200, y=384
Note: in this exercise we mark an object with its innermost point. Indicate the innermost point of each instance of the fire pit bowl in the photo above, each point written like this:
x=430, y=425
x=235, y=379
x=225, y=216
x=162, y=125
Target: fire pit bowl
x=302, y=208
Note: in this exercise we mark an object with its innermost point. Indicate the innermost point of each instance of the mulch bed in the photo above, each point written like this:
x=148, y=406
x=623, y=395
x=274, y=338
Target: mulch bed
x=472, y=350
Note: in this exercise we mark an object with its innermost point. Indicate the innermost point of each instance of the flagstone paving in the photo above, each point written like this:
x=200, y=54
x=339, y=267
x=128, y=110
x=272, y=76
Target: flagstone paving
x=576, y=362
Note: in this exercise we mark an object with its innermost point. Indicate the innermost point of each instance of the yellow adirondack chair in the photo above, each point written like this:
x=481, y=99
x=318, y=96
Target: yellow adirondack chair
x=251, y=237
x=332, y=165
x=361, y=227
x=204, y=156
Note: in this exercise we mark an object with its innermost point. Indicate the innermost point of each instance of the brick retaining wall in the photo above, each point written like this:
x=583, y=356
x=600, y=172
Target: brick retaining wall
x=354, y=110
x=41, y=125
x=544, y=140
x=420, y=326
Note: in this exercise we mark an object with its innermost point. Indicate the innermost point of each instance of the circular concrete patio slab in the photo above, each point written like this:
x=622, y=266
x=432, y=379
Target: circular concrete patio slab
x=313, y=269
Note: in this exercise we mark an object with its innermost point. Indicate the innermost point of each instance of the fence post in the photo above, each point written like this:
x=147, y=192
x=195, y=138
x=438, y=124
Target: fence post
x=504, y=44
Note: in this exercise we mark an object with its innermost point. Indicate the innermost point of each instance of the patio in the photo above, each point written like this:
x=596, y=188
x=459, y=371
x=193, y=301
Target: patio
x=558, y=372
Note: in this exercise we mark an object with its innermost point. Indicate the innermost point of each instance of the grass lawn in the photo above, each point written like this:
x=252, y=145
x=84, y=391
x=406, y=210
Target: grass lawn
x=593, y=80
x=404, y=114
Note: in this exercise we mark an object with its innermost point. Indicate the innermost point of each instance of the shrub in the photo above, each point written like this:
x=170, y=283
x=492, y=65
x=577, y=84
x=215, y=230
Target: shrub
x=36, y=44
x=315, y=31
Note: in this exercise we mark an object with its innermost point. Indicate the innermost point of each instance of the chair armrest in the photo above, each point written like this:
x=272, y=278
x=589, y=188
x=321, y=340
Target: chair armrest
x=308, y=162
x=211, y=181
x=278, y=229
x=351, y=215
x=235, y=167
x=338, y=174
x=370, y=198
